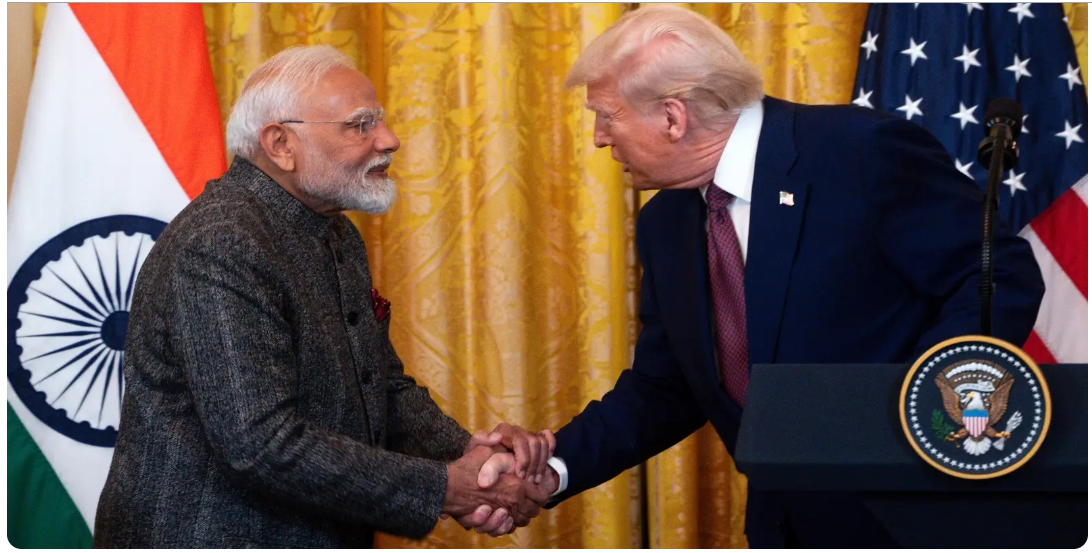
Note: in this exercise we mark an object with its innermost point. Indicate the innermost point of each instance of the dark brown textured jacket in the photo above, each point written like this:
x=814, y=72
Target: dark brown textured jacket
x=264, y=405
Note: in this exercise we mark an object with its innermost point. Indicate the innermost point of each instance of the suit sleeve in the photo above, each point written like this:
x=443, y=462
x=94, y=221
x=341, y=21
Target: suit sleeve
x=239, y=363
x=416, y=425
x=929, y=221
x=649, y=410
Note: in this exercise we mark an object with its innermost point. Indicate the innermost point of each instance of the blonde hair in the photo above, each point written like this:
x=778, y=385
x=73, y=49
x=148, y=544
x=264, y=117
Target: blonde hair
x=661, y=51
x=272, y=92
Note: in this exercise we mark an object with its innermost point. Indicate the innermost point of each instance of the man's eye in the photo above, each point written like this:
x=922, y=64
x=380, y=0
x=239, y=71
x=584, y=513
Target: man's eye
x=366, y=125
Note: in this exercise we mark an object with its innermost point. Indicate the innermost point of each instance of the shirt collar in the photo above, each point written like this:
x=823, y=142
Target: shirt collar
x=736, y=169
x=280, y=203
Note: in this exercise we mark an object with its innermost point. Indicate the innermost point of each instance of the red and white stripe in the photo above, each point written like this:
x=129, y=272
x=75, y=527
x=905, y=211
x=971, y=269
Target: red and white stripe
x=975, y=425
x=1059, y=238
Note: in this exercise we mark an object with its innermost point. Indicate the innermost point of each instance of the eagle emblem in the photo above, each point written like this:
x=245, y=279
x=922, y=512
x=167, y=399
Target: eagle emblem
x=975, y=407
x=976, y=396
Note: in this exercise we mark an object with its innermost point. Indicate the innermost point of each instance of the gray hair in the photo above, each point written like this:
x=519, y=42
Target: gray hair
x=272, y=92
x=693, y=60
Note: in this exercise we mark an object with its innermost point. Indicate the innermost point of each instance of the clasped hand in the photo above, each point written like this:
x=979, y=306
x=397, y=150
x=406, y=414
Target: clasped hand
x=497, y=485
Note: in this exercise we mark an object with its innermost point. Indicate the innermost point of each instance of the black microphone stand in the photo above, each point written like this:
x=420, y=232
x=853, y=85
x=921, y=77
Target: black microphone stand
x=998, y=152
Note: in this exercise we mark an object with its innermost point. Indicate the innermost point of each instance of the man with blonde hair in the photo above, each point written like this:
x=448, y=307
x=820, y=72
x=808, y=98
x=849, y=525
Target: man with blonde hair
x=781, y=233
x=264, y=403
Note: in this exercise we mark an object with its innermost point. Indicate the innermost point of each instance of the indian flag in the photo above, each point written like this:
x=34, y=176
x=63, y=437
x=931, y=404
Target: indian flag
x=122, y=130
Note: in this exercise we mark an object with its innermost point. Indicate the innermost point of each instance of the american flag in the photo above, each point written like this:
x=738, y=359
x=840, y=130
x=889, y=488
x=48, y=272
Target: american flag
x=940, y=65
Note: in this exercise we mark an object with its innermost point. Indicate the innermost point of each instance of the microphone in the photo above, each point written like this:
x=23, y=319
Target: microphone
x=1004, y=119
x=998, y=152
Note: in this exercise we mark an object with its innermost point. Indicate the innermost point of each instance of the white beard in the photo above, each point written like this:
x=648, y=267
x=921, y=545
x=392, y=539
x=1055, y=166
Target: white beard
x=349, y=190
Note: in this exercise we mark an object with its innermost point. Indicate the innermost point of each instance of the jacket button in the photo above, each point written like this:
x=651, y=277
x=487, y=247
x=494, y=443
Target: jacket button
x=353, y=318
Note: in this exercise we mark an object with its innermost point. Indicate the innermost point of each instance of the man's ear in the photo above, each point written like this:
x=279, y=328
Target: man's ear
x=676, y=116
x=274, y=140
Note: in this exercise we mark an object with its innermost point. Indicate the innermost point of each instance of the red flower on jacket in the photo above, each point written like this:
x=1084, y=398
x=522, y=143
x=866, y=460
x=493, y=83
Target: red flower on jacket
x=381, y=305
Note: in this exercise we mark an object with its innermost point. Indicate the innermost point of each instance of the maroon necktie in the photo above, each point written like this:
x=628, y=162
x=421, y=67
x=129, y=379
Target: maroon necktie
x=729, y=301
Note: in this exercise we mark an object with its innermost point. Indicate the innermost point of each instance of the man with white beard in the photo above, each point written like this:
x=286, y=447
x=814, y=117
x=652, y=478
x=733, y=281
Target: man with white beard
x=264, y=404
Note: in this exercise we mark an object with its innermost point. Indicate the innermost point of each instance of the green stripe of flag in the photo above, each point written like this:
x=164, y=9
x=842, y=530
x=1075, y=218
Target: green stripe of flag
x=40, y=512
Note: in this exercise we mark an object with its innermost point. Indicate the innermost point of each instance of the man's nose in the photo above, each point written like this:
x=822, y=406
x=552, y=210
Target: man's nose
x=601, y=139
x=385, y=140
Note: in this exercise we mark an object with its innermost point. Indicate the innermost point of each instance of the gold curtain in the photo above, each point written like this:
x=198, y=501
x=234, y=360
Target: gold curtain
x=509, y=255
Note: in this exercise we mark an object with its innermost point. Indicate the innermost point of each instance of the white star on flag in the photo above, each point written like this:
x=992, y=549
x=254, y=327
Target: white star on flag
x=1070, y=135
x=1072, y=75
x=1024, y=125
x=968, y=58
x=1015, y=182
x=915, y=51
x=972, y=6
x=862, y=99
x=869, y=45
x=1022, y=10
x=1019, y=67
x=965, y=115
x=965, y=169
x=911, y=107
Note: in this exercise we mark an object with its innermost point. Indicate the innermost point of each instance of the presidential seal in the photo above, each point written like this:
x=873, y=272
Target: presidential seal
x=975, y=407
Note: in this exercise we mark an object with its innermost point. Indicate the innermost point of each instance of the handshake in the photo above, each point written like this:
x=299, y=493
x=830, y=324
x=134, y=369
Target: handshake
x=501, y=481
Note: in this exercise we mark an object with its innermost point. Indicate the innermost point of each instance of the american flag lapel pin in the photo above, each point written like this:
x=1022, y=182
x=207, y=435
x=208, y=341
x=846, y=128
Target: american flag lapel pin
x=785, y=198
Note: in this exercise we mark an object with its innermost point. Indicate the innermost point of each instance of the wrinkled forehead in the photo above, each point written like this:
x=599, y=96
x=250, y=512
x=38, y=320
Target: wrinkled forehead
x=603, y=96
x=341, y=93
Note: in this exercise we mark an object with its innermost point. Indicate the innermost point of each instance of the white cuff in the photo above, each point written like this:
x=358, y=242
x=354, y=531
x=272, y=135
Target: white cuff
x=558, y=465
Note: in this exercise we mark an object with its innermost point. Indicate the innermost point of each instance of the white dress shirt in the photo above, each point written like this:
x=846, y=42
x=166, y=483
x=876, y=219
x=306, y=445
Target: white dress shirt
x=736, y=175
x=736, y=170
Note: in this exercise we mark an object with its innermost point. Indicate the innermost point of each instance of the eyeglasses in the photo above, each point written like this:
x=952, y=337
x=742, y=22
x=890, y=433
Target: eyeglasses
x=364, y=120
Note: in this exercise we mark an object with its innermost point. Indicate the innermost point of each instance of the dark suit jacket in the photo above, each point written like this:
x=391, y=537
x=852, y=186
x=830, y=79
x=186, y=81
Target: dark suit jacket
x=264, y=405
x=877, y=261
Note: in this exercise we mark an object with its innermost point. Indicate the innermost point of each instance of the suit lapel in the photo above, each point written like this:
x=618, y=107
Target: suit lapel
x=687, y=258
x=774, y=230
x=680, y=265
x=698, y=240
